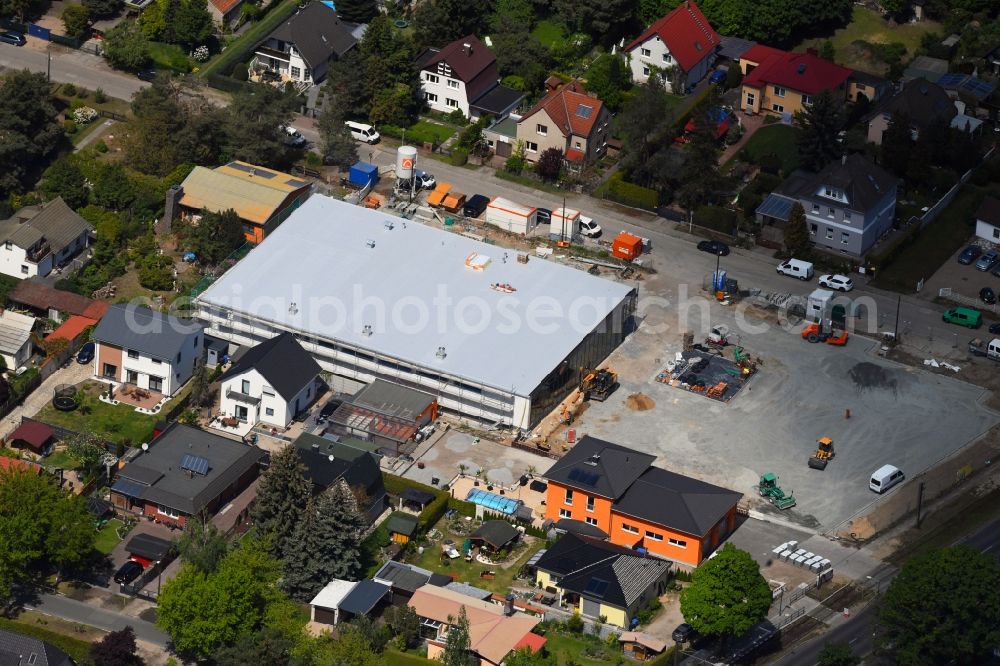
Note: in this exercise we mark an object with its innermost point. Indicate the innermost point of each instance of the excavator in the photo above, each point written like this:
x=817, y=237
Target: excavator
x=598, y=384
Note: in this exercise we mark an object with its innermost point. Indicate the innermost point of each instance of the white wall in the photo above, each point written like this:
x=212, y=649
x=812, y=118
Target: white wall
x=174, y=373
x=987, y=231
x=659, y=57
x=272, y=409
x=12, y=259
x=443, y=91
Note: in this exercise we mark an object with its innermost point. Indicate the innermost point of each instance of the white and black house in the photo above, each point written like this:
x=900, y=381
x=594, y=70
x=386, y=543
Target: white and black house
x=463, y=76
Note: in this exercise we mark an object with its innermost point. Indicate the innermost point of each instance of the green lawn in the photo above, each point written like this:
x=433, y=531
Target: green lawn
x=62, y=459
x=549, y=33
x=777, y=139
x=424, y=131
x=107, y=538
x=578, y=649
x=468, y=572
x=169, y=57
x=117, y=423
x=868, y=26
x=397, y=658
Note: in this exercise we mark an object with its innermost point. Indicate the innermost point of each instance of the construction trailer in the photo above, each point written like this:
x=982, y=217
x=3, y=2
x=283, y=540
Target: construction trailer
x=627, y=246
x=565, y=224
x=511, y=216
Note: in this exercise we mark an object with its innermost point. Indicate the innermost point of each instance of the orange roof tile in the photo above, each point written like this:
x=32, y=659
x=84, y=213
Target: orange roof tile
x=566, y=106
x=71, y=328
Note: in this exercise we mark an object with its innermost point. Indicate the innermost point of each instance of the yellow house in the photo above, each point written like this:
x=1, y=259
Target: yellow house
x=596, y=578
x=776, y=81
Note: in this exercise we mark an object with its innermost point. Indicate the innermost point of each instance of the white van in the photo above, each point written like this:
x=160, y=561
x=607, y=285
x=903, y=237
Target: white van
x=362, y=132
x=803, y=270
x=885, y=477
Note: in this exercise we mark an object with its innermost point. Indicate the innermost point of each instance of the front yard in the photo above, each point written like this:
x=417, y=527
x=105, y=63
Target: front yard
x=107, y=537
x=775, y=139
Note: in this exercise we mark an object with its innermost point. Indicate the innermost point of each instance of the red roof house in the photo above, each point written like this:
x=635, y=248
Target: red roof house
x=11, y=464
x=32, y=435
x=781, y=82
x=683, y=39
x=569, y=119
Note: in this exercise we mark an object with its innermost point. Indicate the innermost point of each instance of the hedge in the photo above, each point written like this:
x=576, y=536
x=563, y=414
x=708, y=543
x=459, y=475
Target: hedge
x=619, y=190
x=432, y=513
x=716, y=218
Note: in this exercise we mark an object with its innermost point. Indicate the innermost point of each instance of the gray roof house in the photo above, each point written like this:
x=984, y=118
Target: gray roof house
x=185, y=471
x=37, y=239
x=597, y=576
x=301, y=48
x=405, y=579
x=849, y=205
x=919, y=100
x=145, y=348
x=599, y=467
x=20, y=650
x=328, y=461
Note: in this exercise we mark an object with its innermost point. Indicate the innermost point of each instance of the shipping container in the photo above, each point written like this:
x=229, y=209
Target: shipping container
x=511, y=216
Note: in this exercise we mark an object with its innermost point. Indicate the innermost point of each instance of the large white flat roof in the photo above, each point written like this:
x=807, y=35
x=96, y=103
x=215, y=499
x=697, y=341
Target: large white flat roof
x=332, y=268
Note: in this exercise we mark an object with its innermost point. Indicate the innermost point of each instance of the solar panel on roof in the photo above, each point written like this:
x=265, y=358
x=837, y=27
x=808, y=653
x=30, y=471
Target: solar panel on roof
x=584, y=111
x=294, y=182
x=584, y=477
x=950, y=79
x=256, y=171
x=195, y=464
x=596, y=586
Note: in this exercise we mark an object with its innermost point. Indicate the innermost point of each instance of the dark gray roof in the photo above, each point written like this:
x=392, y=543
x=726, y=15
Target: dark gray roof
x=317, y=33
x=777, y=206
x=149, y=546
x=146, y=331
x=364, y=597
x=21, y=647
x=55, y=222
x=357, y=466
x=497, y=533
x=601, y=571
x=581, y=528
x=466, y=63
x=921, y=101
x=732, y=48
x=282, y=362
x=678, y=502
x=393, y=400
x=418, y=496
x=989, y=211
x=600, y=468
x=864, y=182
x=174, y=487
x=402, y=577
x=401, y=523
x=498, y=99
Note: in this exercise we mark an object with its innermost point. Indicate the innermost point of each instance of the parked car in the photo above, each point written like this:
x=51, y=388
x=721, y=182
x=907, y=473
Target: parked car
x=718, y=76
x=590, y=228
x=294, y=137
x=86, y=354
x=13, y=37
x=363, y=132
x=147, y=74
x=683, y=633
x=837, y=282
x=475, y=205
x=988, y=260
x=969, y=254
x=995, y=328
x=969, y=317
x=714, y=247
x=424, y=180
x=328, y=409
x=987, y=295
x=543, y=216
x=128, y=572
x=803, y=270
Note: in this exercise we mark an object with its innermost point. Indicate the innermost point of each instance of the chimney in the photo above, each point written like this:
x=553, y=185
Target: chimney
x=467, y=48
x=171, y=207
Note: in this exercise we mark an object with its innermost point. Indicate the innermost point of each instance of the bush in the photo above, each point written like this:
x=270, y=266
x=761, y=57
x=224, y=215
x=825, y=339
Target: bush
x=69, y=89
x=99, y=96
x=84, y=115
x=69, y=127
x=716, y=218
x=629, y=194
x=459, y=157
x=100, y=146
x=457, y=117
x=82, y=93
x=574, y=624
x=313, y=160
x=240, y=72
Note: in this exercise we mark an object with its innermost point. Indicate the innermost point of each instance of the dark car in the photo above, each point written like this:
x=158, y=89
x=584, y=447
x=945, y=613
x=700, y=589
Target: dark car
x=995, y=328
x=128, y=572
x=12, y=37
x=969, y=254
x=147, y=75
x=683, y=633
x=718, y=76
x=328, y=409
x=987, y=295
x=475, y=205
x=543, y=215
x=714, y=247
x=86, y=354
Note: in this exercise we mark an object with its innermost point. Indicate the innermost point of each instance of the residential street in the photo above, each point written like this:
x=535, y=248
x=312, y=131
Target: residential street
x=77, y=611
x=76, y=67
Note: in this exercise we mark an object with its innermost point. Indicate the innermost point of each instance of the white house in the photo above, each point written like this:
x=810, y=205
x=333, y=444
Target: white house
x=301, y=48
x=682, y=39
x=463, y=76
x=270, y=383
x=15, y=338
x=39, y=238
x=145, y=348
x=988, y=220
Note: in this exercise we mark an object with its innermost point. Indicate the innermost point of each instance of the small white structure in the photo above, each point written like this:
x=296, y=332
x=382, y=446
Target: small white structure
x=15, y=338
x=988, y=220
x=511, y=216
x=325, y=606
x=565, y=224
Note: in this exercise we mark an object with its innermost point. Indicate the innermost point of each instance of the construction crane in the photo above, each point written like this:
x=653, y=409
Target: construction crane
x=598, y=384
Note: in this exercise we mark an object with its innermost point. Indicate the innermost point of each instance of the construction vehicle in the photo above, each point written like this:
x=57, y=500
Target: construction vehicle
x=824, y=332
x=598, y=384
x=821, y=311
x=768, y=489
x=824, y=453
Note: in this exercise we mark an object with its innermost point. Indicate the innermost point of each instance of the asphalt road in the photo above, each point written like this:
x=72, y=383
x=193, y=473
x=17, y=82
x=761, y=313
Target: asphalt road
x=987, y=539
x=76, y=67
x=77, y=611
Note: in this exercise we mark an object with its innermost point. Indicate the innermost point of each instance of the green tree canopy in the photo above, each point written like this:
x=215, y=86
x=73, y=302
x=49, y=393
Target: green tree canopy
x=126, y=46
x=819, y=132
x=699, y=178
x=609, y=78
x=253, y=130
x=942, y=607
x=727, y=595
x=117, y=648
x=796, y=231
x=103, y=8
x=76, y=20
x=603, y=20
x=215, y=236
x=437, y=22
x=283, y=492
x=202, y=544
x=64, y=179
x=336, y=142
x=29, y=128
x=838, y=654
x=897, y=144
x=456, y=648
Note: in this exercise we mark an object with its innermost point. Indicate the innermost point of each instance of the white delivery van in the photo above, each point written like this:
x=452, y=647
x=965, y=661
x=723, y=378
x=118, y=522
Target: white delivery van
x=885, y=477
x=803, y=270
x=363, y=132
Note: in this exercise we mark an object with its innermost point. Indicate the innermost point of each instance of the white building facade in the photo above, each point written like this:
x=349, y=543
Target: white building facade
x=249, y=398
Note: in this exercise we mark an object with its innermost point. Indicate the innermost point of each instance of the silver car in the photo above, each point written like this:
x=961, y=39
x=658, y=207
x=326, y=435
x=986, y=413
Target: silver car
x=988, y=260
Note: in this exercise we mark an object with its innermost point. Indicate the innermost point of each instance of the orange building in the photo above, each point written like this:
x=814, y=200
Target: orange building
x=618, y=491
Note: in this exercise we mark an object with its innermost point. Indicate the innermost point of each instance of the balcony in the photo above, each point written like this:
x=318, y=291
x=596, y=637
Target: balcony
x=35, y=255
x=242, y=397
x=273, y=53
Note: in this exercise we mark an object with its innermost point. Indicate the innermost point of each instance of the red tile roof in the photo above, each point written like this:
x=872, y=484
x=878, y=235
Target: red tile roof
x=225, y=6
x=574, y=155
x=41, y=296
x=10, y=464
x=804, y=72
x=686, y=32
x=759, y=53
x=532, y=641
x=567, y=106
x=71, y=328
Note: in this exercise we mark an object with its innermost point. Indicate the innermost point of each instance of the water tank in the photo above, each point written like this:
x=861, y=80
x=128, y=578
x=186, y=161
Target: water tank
x=406, y=162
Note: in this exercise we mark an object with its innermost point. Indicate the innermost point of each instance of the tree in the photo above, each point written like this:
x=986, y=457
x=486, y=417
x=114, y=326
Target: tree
x=351, y=649
x=796, y=231
x=126, y=47
x=193, y=23
x=155, y=142
x=456, y=648
x=603, y=20
x=699, y=176
x=345, y=86
x=525, y=657
x=202, y=545
x=727, y=594
x=437, y=22
x=216, y=235
x=405, y=625
x=827, y=51
x=112, y=188
x=357, y=11
x=64, y=179
x=103, y=8
x=819, y=132
x=837, y=654
x=897, y=144
x=201, y=394
x=942, y=607
x=283, y=492
x=326, y=543
x=76, y=20
x=29, y=128
x=550, y=164
x=336, y=142
x=253, y=130
x=117, y=648
x=267, y=646
x=645, y=123
x=609, y=79
x=70, y=533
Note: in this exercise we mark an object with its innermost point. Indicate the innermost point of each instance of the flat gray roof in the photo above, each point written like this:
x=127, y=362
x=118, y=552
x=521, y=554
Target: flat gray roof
x=332, y=268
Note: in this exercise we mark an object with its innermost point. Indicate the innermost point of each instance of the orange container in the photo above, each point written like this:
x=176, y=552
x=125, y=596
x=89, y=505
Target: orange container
x=626, y=246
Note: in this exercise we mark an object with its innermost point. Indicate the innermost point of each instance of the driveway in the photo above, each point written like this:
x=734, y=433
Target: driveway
x=71, y=373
